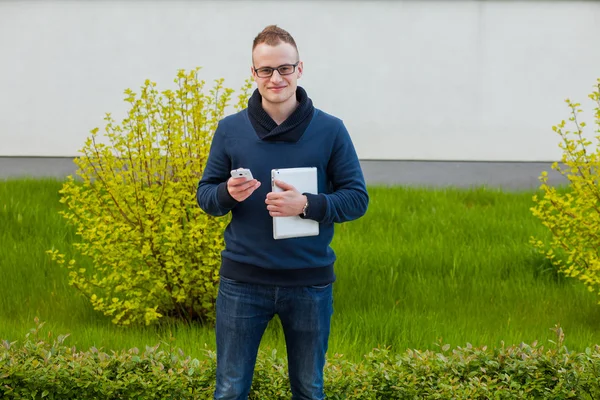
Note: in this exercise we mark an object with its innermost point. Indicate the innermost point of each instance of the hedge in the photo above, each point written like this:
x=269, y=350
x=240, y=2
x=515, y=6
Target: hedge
x=49, y=369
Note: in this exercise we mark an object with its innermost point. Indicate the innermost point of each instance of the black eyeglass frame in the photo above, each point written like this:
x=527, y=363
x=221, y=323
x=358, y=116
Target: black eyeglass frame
x=256, y=70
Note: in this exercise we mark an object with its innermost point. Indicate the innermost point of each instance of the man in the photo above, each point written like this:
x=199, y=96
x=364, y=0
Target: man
x=260, y=276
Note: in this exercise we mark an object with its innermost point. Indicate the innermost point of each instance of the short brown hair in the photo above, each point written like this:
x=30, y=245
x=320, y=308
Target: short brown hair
x=273, y=35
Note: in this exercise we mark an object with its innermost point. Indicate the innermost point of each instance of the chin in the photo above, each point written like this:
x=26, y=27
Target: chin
x=280, y=97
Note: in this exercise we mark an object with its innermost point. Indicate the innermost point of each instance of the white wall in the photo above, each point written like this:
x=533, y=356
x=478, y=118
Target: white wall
x=413, y=80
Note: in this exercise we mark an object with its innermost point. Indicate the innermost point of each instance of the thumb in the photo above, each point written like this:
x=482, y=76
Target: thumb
x=284, y=185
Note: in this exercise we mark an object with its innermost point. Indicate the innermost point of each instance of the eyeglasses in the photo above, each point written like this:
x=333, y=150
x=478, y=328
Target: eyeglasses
x=285, y=69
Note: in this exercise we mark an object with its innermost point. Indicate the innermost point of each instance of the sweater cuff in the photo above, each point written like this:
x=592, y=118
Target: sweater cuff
x=317, y=206
x=224, y=198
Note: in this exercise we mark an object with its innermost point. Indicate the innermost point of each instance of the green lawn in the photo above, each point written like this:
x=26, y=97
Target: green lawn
x=420, y=267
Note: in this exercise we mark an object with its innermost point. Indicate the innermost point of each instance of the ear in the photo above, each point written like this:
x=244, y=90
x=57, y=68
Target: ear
x=253, y=73
x=300, y=69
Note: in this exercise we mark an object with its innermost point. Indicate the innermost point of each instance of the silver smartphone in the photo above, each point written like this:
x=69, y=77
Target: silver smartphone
x=242, y=173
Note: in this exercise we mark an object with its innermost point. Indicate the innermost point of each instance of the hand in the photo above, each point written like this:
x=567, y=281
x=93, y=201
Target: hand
x=240, y=189
x=288, y=203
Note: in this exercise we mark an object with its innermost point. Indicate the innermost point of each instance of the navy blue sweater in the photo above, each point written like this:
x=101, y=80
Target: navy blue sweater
x=251, y=254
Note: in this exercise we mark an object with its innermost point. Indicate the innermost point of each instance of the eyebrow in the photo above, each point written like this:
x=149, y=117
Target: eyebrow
x=281, y=65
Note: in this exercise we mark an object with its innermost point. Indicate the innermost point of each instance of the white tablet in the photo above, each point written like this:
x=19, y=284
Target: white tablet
x=305, y=181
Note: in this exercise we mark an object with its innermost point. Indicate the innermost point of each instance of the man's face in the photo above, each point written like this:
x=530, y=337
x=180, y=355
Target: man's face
x=277, y=88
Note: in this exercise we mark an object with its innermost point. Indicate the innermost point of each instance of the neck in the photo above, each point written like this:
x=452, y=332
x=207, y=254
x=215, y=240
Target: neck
x=280, y=111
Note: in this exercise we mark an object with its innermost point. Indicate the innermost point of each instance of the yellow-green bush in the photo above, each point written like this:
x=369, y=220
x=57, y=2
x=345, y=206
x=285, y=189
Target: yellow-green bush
x=573, y=216
x=153, y=252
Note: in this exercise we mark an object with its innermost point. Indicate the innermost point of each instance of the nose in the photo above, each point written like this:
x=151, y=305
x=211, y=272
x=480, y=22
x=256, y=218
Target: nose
x=275, y=77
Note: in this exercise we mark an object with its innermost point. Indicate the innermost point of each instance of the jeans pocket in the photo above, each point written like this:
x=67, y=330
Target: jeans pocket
x=320, y=287
x=228, y=280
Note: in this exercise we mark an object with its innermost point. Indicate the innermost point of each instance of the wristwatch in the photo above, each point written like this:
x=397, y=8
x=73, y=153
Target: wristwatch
x=305, y=209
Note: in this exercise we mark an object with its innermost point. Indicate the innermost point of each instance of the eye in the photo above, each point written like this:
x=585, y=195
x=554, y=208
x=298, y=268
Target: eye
x=286, y=69
x=264, y=71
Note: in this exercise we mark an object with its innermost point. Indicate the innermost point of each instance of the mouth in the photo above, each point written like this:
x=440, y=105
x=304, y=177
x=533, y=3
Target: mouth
x=277, y=88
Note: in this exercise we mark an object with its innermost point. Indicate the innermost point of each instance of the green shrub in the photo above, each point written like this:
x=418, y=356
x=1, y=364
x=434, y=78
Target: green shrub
x=39, y=369
x=153, y=252
x=573, y=216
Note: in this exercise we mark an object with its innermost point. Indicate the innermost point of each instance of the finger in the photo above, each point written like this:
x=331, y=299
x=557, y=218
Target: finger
x=284, y=185
x=233, y=186
x=271, y=200
x=278, y=203
x=251, y=184
x=246, y=187
x=252, y=188
x=242, y=182
x=241, y=193
x=276, y=196
x=236, y=181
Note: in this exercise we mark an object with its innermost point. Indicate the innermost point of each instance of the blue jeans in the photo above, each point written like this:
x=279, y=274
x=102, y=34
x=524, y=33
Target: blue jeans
x=243, y=312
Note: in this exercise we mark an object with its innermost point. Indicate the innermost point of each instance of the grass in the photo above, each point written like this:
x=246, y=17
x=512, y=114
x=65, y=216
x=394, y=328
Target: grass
x=457, y=266
x=422, y=267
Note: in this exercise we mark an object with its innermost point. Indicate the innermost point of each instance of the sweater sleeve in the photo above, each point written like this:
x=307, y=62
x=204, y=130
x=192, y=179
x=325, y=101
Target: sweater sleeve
x=212, y=194
x=349, y=199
